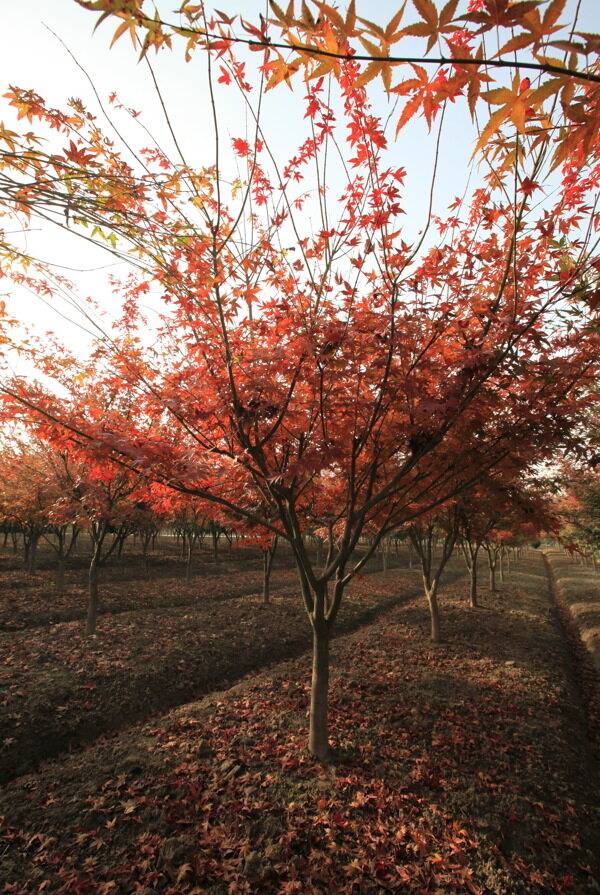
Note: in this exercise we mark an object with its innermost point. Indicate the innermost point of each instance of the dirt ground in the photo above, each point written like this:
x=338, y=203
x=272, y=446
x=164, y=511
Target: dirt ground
x=460, y=768
x=159, y=643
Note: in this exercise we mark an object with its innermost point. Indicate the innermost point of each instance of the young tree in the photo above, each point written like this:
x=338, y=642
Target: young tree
x=443, y=525
x=105, y=502
x=337, y=371
x=28, y=493
x=578, y=506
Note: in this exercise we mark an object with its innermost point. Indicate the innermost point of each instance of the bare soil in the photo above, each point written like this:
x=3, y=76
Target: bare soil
x=459, y=768
x=159, y=644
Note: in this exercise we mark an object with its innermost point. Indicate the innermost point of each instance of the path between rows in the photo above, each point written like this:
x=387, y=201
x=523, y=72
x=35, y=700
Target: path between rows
x=461, y=768
x=34, y=602
x=75, y=689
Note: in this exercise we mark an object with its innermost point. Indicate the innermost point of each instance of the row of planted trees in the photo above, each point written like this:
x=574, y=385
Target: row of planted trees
x=315, y=366
x=580, y=510
x=56, y=493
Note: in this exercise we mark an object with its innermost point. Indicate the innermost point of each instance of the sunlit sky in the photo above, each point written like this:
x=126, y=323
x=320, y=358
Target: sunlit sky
x=34, y=57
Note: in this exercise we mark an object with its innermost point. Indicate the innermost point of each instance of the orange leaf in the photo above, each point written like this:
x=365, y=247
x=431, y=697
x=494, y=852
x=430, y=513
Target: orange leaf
x=447, y=13
x=123, y=27
x=553, y=11
x=372, y=70
x=515, y=43
x=409, y=110
x=491, y=128
x=427, y=11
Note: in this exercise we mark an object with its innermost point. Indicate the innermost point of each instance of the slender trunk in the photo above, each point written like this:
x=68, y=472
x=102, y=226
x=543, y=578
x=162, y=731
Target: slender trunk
x=215, y=541
x=473, y=601
x=434, y=614
x=318, y=735
x=14, y=537
x=266, y=577
x=501, y=566
x=188, y=564
x=32, y=553
x=493, y=587
x=92, y=611
x=384, y=561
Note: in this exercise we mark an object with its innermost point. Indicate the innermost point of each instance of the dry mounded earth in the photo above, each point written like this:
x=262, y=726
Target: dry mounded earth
x=466, y=767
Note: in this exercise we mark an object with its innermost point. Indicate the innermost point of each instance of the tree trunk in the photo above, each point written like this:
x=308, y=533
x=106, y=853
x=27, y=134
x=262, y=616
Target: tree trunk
x=493, y=587
x=215, y=540
x=32, y=554
x=318, y=736
x=434, y=614
x=384, y=561
x=92, y=612
x=188, y=563
x=266, y=578
x=473, y=589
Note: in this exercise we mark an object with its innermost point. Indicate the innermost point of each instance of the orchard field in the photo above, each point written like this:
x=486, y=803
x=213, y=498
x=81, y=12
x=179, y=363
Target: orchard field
x=167, y=753
x=300, y=447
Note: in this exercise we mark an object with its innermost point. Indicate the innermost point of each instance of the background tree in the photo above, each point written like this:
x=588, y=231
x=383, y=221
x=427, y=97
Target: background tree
x=439, y=529
x=578, y=506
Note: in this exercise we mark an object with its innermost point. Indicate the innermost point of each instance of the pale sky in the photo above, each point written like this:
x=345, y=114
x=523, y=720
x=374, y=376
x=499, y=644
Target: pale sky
x=32, y=57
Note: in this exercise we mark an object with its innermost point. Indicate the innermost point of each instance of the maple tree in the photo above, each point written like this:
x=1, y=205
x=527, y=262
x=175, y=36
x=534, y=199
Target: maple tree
x=335, y=380
x=27, y=495
x=188, y=522
x=38, y=473
x=550, y=61
x=425, y=535
x=578, y=507
x=504, y=509
x=59, y=486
